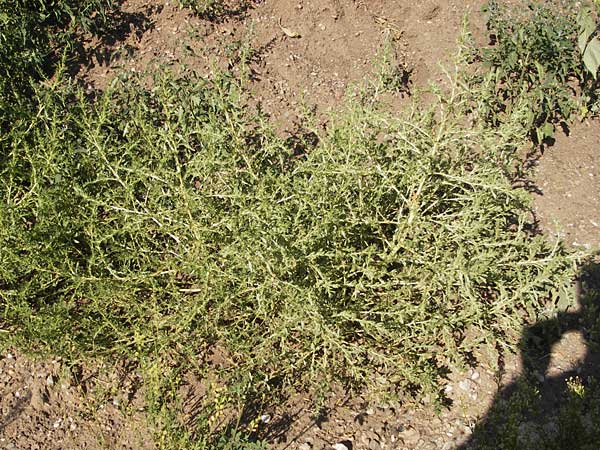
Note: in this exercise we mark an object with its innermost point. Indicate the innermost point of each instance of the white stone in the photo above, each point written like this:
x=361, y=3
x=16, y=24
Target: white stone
x=465, y=385
x=340, y=446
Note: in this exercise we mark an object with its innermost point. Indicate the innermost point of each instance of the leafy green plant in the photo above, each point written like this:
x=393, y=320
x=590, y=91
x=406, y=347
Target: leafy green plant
x=392, y=73
x=154, y=218
x=161, y=222
x=33, y=35
x=204, y=429
x=534, y=56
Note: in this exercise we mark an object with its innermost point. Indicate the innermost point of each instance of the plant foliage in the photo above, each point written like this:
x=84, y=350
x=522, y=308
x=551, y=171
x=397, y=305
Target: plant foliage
x=589, y=44
x=33, y=36
x=535, y=58
x=151, y=218
x=159, y=222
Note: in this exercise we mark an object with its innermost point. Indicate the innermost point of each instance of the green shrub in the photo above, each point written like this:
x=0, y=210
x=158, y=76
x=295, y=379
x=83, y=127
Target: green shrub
x=166, y=219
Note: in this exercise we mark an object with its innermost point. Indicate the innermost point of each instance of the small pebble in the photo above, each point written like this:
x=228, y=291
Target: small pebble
x=340, y=446
x=465, y=385
x=541, y=378
x=410, y=436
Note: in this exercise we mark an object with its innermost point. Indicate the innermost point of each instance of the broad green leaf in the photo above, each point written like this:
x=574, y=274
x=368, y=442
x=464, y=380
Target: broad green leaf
x=586, y=28
x=591, y=57
x=548, y=130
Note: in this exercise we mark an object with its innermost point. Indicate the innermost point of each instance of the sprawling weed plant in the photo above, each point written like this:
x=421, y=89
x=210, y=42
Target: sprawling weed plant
x=158, y=223
x=152, y=219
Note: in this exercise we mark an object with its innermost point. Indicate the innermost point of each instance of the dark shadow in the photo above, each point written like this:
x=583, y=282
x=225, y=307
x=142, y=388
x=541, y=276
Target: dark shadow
x=400, y=80
x=15, y=411
x=109, y=45
x=302, y=142
x=544, y=409
x=277, y=431
x=526, y=184
x=221, y=11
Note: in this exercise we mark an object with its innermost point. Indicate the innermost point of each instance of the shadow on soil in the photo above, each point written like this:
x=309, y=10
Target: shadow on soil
x=549, y=407
x=544, y=411
x=110, y=45
x=15, y=412
x=224, y=11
